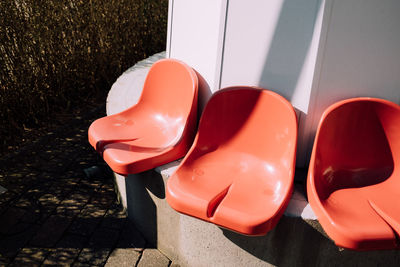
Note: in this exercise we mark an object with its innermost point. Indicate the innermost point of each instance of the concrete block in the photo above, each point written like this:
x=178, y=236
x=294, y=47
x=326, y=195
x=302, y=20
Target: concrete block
x=153, y=257
x=123, y=257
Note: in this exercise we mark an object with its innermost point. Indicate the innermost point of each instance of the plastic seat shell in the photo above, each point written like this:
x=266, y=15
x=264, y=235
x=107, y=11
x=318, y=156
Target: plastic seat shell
x=159, y=129
x=239, y=172
x=354, y=181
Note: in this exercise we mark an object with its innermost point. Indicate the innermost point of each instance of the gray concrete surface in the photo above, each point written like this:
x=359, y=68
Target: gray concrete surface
x=153, y=257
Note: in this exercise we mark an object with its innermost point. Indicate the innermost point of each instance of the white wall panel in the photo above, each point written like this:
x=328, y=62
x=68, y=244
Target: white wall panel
x=272, y=44
x=313, y=52
x=360, y=57
x=196, y=37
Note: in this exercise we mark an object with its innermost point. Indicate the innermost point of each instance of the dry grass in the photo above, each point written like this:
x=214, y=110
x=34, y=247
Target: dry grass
x=58, y=54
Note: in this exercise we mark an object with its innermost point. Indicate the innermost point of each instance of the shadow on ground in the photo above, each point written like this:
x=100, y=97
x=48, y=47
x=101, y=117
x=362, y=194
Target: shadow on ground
x=53, y=214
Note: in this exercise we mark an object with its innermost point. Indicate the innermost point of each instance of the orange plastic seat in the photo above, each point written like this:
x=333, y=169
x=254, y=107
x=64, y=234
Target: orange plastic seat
x=160, y=128
x=239, y=172
x=354, y=178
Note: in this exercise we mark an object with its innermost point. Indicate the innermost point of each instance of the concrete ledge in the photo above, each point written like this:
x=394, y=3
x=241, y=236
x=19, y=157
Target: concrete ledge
x=297, y=240
x=298, y=205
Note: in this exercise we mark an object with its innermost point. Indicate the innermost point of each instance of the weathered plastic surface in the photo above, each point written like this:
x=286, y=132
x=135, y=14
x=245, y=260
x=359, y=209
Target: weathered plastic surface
x=239, y=172
x=354, y=178
x=159, y=129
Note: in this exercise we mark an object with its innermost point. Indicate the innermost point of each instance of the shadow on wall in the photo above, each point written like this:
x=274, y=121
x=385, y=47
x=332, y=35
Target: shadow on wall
x=311, y=248
x=287, y=55
x=140, y=206
x=204, y=94
x=289, y=46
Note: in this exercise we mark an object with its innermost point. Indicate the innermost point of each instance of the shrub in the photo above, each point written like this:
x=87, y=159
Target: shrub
x=57, y=54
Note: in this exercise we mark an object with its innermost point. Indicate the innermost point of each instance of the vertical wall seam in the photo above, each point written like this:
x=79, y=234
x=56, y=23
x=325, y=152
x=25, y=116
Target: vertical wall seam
x=222, y=48
x=323, y=40
x=169, y=30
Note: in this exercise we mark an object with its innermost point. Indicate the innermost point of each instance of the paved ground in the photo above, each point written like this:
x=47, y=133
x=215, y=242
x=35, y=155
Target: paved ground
x=52, y=214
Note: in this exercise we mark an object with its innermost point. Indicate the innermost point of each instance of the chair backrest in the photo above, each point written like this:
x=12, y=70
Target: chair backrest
x=168, y=86
x=357, y=144
x=249, y=120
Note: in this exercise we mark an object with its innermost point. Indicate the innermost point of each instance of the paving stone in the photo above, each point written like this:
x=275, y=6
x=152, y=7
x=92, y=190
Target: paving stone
x=4, y=261
x=83, y=187
x=123, y=257
x=10, y=217
x=115, y=217
x=46, y=154
x=109, y=185
x=61, y=257
x=81, y=264
x=17, y=188
x=30, y=257
x=49, y=200
x=51, y=231
x=103, y=200
x=55, y=166
x=73, y=174
x=84, y=226
x=34, y=215
x=87, y=220
x=15, y=174
x=92, y=211
x=24, y=202
x=5, y=200
x=46, y=205
x=6, y=197
x=131, y=238
x=153, y=257
x=59, y=189
x=11, y=244
x=72, y=205
x=72, y=241
x=94, y=256
x=35, y=192
x=104, y=238
x=92, y=183
x=18, y=228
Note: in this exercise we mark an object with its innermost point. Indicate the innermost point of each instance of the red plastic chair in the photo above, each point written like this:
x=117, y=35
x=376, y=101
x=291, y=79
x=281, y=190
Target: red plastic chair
x=159, y=129
x=354, y=178
x=239, y=172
